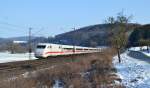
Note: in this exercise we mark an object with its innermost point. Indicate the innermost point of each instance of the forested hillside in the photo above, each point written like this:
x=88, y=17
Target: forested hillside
x=139, y=33
x=95, y=35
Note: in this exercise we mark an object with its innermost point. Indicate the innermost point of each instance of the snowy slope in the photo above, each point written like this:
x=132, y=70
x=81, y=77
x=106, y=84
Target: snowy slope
x=7, y=57
x=135, y=73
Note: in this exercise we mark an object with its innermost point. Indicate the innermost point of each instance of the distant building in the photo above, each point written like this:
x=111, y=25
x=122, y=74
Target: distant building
x=20, y=42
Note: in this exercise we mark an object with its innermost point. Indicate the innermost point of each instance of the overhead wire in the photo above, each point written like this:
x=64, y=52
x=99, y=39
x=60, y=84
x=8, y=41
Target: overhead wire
x=37, y=32
x=12, y=25
x=16, y=28
x=12, y=30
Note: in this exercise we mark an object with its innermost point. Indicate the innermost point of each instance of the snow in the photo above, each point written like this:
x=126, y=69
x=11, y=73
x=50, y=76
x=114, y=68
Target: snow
x=147, y=53
x=138, y=48
x=58, y=84
x=134, y=70
x=7, y=57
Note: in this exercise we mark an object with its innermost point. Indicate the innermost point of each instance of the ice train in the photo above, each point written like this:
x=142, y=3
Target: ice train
x=44, y=50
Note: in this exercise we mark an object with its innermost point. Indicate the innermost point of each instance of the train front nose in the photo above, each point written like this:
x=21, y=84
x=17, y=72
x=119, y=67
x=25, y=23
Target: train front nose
x=39, y=53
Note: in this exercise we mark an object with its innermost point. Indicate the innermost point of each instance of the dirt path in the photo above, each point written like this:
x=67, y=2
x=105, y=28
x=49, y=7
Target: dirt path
x=139, y=55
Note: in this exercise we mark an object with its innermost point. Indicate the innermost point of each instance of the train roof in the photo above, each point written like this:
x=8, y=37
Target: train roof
x=67, y=46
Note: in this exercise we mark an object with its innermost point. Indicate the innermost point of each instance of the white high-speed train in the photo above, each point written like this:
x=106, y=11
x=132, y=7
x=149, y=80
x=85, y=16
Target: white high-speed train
x=44, y=50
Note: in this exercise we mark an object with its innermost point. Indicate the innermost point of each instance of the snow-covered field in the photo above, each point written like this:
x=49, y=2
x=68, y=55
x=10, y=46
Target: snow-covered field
x=7, y=57
x=134, y=70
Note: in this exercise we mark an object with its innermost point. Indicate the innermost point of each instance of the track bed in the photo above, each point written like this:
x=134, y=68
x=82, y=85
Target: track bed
x=13, y=69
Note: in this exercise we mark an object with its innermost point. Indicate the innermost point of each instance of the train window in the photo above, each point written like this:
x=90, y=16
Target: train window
x=79, y=49
x=59, y=46
x=68, y=48
x=49, y=46
x=41, y=46
x=85, y=49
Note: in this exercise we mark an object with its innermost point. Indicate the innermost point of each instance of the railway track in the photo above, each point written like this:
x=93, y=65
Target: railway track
x=10, y=69
x=34, y=63
x=24, y=64
x=14, y=69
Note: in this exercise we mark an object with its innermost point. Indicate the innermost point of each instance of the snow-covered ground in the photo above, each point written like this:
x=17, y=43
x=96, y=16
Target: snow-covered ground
x=134, y=70
x=141, y=49
x=7, y=57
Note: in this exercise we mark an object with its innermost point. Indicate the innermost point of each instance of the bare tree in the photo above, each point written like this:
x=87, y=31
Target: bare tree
x=118, y=32
x=15, y=48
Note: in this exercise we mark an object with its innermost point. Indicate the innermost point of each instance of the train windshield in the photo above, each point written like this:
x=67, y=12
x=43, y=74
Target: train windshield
x=41, y=46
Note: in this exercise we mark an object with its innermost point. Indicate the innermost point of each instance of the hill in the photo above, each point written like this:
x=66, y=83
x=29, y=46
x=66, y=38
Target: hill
x=7, y=43
x=94, y=35
x=20, y=38
x=142, y=32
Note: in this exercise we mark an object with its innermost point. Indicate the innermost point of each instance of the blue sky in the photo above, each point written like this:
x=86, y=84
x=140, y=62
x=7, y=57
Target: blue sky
x=51, y=17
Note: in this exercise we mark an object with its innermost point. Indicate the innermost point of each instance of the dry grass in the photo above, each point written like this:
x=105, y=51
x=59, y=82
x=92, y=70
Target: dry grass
x=99, y=65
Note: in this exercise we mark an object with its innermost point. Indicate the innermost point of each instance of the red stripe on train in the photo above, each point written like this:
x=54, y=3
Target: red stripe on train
x=53, y=52
x=62, y=52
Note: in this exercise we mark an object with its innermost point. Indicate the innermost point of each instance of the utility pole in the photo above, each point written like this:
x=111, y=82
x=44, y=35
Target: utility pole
x=30, y=43
x=74, y=41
